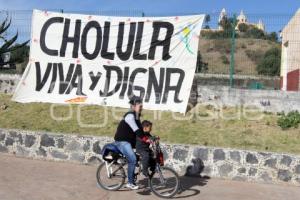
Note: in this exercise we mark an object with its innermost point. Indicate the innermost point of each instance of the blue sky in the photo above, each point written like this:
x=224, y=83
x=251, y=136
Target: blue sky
x=160, y=6
x=274, y=13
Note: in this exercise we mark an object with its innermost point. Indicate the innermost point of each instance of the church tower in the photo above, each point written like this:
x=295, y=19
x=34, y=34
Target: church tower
x=261, y=25
x=242, y=18
x=223, y=15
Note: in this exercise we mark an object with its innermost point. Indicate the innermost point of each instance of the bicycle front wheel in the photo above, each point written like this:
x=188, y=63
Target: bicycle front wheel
x=110, y=176
x=165, y=182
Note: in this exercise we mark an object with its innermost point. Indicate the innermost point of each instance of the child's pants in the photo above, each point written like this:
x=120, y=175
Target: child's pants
x=147, y=161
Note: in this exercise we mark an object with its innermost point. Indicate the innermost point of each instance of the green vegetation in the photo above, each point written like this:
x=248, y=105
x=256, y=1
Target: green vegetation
x=21, y=54
x=253, y=32
x=291, y=120
x=20, y=58
x=206, y=22
x=244, y=31
x=272, y=37
x=255, y=56
x=215, y=34
x=228, y=24
x=243, y=27
x=7, y=44
x=225, y=60
x=270, y=64
x=256, y=53
x=204, y=127
x=200, y=66
x=249, y=53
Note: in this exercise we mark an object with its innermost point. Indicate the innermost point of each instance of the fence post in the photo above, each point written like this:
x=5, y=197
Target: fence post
x=232, y=61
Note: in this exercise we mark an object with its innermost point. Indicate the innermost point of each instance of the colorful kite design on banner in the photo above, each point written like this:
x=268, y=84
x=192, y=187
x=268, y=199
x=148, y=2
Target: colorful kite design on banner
x=186, y=35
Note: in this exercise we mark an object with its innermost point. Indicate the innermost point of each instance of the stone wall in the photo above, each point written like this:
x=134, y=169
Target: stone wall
x=190, y=160
x=240, y=81
x=265, y=100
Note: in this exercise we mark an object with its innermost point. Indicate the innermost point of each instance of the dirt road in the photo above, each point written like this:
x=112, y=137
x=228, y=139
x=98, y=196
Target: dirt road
x=26, y=179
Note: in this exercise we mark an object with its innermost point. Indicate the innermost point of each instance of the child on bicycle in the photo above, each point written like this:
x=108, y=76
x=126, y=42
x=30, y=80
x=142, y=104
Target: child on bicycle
x=143, y=148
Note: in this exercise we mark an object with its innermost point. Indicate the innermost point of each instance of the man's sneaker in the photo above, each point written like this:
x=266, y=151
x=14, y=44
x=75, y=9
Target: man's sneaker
x=132, y=186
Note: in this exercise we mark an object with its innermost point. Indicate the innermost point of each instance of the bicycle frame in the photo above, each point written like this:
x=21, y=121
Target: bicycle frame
x=154, y=149
x=115, y=169
x=161, y=178
x=110, y=172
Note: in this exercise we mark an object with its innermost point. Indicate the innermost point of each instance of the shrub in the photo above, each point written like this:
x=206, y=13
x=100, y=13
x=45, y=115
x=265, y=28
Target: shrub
x=291, y=120
x=272, y=37
x=222, y=46
x=243, y=27
x=270, y=64
x=254, y=32
x=215, y=34
x=227, y=23
x=255, y=55
x=224, y=59
x=243, y=46
x=201, y=66
x=20, y=55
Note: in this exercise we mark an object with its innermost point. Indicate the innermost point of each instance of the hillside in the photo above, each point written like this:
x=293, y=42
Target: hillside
x=216, y=52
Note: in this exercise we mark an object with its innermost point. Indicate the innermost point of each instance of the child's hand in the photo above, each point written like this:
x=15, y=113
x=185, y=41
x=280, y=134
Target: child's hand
x=149, y=141
x=155, y=139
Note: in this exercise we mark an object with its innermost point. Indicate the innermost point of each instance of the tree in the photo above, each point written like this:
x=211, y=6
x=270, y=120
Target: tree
x=272, y=37
x=206, y=22
x=254, y=32
x=227, y=23
x=243, y=27
x=7, y=45
x=207, y=19
x=21, y=54
x=270, y=64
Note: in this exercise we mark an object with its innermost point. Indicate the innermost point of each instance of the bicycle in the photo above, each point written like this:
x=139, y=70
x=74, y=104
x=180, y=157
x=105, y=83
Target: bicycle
x=163, y=182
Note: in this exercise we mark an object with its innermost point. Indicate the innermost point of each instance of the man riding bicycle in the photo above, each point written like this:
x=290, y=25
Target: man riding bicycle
x=163, y=181
x=125, y=137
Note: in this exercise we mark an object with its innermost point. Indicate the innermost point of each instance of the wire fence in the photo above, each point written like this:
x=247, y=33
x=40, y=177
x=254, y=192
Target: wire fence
x=240, y=61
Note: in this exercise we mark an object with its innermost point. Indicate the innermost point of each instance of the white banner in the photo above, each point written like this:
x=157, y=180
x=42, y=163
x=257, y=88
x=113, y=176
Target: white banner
x=105, y=60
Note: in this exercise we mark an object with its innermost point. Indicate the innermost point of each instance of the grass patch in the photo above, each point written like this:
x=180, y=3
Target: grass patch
x=224, y=127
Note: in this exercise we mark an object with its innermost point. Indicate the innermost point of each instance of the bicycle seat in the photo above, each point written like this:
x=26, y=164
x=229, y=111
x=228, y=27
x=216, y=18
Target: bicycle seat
x=110, y=152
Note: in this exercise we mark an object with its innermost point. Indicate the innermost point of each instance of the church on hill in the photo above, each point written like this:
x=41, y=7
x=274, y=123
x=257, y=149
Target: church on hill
x=241, y=19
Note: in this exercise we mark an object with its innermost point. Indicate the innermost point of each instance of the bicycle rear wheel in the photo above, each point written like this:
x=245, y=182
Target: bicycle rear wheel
x=110, y=176
x=165, y=182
